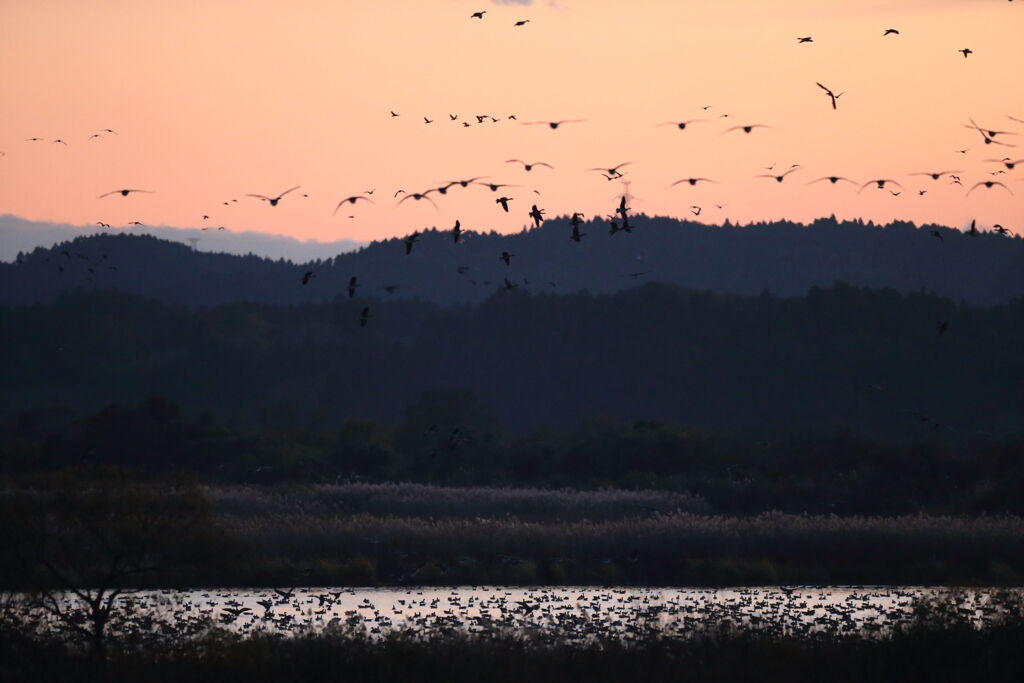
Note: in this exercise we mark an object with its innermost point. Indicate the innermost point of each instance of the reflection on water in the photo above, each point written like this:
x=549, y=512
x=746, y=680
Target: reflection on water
x=573, y=612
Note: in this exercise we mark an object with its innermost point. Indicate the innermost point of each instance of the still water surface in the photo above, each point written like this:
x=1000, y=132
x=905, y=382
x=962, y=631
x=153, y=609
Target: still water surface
x=575, y=612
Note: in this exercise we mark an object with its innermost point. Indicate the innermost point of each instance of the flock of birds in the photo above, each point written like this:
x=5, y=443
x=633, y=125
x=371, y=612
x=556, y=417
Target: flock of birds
x=618, y=221
x=568, y=614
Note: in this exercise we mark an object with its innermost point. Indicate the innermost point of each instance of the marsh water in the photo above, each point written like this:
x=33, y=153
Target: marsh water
x=574, y=612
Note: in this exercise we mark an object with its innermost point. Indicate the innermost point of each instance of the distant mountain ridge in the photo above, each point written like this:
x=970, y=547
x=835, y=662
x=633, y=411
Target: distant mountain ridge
x=783, y=257
x=18, y=235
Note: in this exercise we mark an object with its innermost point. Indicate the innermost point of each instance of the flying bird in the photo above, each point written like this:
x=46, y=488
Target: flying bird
x=966, y=51
x=832, y=95
x=522, y=22
x=937, y=175
x=418, y=196
x=478, y=15
x=989, y=184
x=779, y=178
x=506, y=257
x=352, y=200
x=537, y=215
x=273, y=200
x=364, y=317
x=681, y=125
x=880, y=184
x=504, y=202
x=1007, y=161
x=353, y=283
x=457, y=231
x=833, y=179
x=808, y=39
x=692, y=181
x=890, y=31
x=529, y=167
x=745, y=129
x=307, y=276
x=552, y=124
x=123, y=193
x=614, y=171
x=411, y=240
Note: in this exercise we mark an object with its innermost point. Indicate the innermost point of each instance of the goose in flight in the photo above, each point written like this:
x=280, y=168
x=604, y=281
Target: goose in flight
x=352, y=200
x=552, y=124
x=504, y=202
x=890, y=31
x=832, y=95
x=521, y=22
x=989, y=184
x=506, y=257
x=681, y=125
x=614, y=171
x=123, y=193
x=307, y=276
x=935, y=176
x=807, y=39
x=989, y=136
x=529, y=167
x=576, y=235
x=966, y=51
x=411, y=240
x=833, y=179
x=457, y=231
x=745, y=129
x=353, y=283
x=494, y=187
x=1007, y=162
x=779, y=178
x=364, y=317
x=478, y=15
x=418, y=196
x=537, y=215
x=692, y=181
x=880, y=184
x=273, y=200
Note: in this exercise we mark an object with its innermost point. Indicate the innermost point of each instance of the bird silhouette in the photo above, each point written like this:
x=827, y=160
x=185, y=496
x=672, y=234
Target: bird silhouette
x=426, y=120
x=692, y=181
x=457, y=232
x=494, y=187
x=353, y=283
x=989, y=184
x=681, y=125
x=418, y=196
x=364, y=317
x=966, y=51
x=352, y=200
x=553, y=125
x=890, y=31
x=506, y=257
x=504, y=202
x=537, y=215
x=936, y=233
x=745, y=129
x=831, y=95
x=613, y=171
x=1007, y=162
x=779, y=178
x=880, y=184
x=808, y=39
x=411, y=240
x=307, y=276
x=274, y=200
x=529, y=167
x=522, y=22
x=935, y=175
x=833, y=179
x=123, y=193
x=478, y=15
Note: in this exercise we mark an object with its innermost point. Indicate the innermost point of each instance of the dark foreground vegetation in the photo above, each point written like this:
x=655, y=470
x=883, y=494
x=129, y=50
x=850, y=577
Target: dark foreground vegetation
x=941, y=645
x=110, y=530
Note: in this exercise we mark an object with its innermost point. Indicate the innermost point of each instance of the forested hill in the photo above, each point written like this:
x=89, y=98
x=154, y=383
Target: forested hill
x=838, y=356
x=785, y=258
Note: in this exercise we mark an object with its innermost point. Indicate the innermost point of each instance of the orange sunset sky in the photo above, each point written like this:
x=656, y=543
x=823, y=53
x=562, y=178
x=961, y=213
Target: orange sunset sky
x=214, y=99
